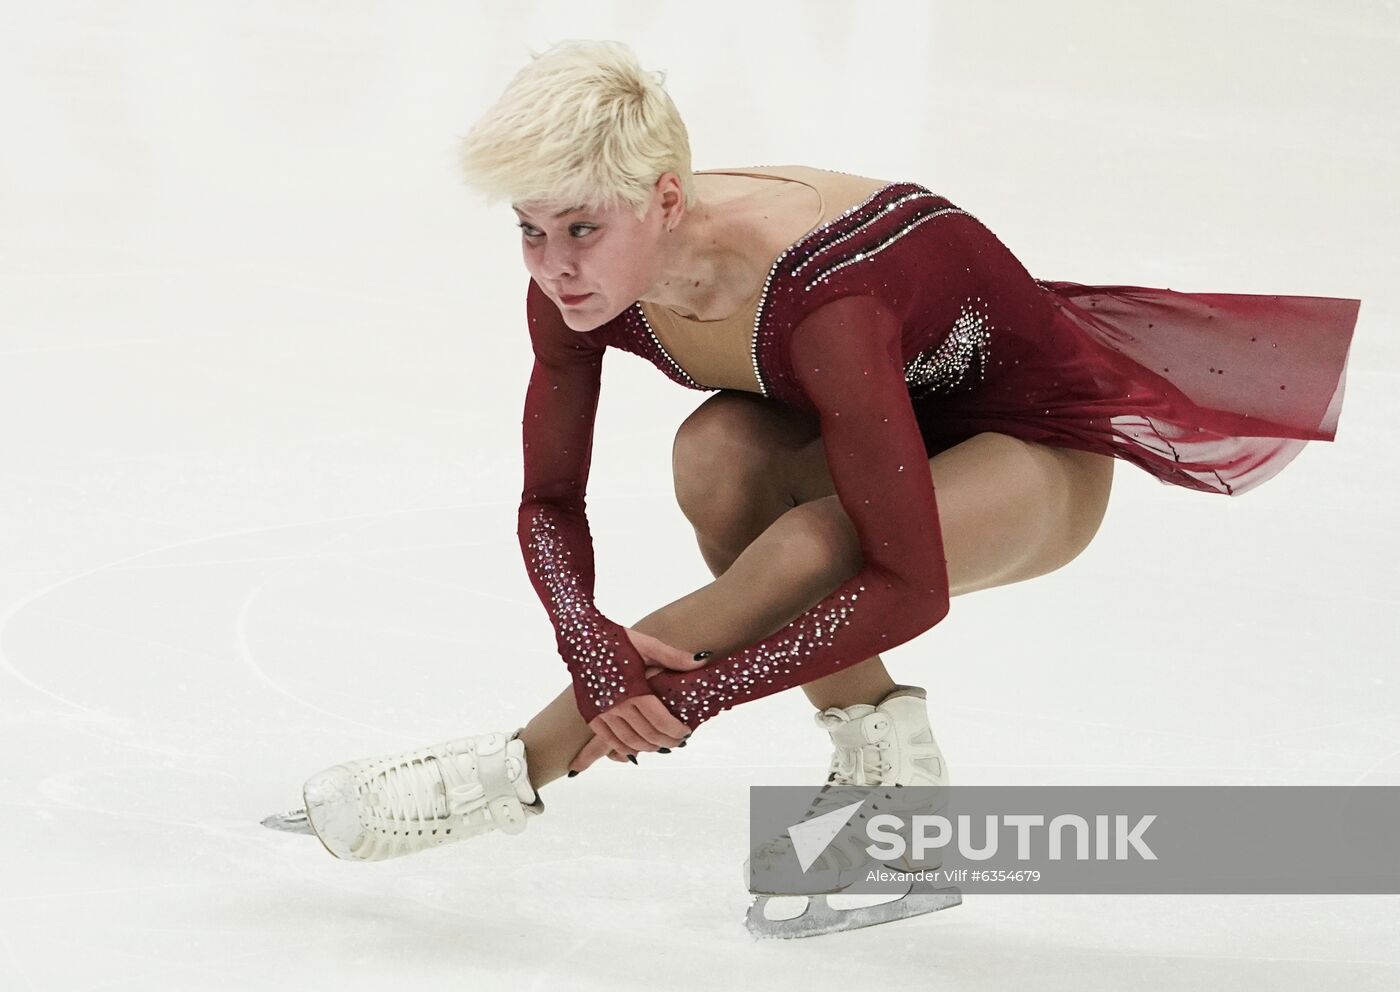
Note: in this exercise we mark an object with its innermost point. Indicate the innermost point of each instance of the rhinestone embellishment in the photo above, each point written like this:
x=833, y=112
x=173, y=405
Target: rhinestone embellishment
x=681, y=373
x=702, y=696
x=860, y=256
x=919, y=194
x=944, y=366
x=577, y=623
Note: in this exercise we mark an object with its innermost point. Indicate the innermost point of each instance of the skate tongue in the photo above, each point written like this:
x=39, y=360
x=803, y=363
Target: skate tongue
x=468, y=757
x=515, y=753
x=855, y=759
x=847, y=726
x=836, y=715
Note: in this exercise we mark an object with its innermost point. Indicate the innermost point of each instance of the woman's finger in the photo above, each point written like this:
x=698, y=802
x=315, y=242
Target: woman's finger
x=630, y=742
x=592, y=751
x=655, y=651
x=680, y=660
x=636, y=714
x=602, y=730
x=666, y=724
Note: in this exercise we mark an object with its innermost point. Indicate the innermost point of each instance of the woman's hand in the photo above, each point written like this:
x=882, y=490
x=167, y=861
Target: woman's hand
x=639, y=723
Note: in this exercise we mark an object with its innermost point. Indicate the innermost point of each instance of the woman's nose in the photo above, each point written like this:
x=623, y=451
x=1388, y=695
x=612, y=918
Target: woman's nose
x=557, y=264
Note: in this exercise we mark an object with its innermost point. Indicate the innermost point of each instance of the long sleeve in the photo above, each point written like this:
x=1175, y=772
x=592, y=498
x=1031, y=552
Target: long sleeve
x=561, y=403
x=846, y=358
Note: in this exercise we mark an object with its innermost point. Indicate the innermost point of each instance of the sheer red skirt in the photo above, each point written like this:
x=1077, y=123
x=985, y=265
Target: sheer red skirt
x=1210, y=391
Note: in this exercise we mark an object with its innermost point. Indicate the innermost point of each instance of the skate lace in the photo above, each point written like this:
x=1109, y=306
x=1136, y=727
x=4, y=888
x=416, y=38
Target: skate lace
x=416, y=791
x=853, y=770
x=863, y=765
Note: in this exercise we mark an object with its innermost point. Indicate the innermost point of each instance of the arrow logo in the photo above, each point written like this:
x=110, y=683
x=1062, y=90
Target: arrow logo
x=811, y=837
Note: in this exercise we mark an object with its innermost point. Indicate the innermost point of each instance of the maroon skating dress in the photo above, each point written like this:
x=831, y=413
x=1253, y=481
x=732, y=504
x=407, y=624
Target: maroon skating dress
x=906, y=326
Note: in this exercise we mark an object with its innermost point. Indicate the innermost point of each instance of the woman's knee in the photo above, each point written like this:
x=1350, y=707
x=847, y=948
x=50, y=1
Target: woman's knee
x=726, y=465
x=818, y=539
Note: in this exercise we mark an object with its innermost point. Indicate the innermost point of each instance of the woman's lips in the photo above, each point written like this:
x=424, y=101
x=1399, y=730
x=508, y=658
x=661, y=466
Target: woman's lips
x=573, y=301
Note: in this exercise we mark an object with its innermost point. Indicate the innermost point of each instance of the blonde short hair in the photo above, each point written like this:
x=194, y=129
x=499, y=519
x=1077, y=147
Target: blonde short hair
x=583, y=124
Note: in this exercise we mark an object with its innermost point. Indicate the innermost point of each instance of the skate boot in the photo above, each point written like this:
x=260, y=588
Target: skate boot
x=378, y=808
x=887, y=747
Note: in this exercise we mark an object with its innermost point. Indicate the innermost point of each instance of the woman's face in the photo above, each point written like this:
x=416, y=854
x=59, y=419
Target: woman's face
x=609, y=258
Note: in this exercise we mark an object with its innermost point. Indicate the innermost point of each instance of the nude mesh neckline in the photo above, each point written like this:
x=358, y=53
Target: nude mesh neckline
x=746, y=308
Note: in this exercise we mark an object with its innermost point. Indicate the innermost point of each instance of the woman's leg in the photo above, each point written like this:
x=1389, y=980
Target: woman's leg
x=751, y=477
x=1009, y=509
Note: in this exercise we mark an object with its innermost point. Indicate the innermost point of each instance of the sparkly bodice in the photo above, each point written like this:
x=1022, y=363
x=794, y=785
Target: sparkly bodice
x=888, y=245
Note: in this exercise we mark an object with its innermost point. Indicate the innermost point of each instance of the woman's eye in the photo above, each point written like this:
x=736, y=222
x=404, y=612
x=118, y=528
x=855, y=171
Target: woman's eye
x=530, y=232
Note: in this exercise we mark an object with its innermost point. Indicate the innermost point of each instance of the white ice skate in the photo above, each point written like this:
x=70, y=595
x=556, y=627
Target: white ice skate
x=889, y=745
x=378, y=808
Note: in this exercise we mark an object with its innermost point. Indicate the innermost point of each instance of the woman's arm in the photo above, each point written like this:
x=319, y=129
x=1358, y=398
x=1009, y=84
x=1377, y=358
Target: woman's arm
x=846, y=357
x=561, y=403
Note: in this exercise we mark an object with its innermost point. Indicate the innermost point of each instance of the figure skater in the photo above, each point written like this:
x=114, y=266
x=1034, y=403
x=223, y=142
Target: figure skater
x=901, y=415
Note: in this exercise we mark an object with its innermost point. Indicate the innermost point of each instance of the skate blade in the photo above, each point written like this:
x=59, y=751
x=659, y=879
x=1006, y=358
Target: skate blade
x=820, y=917
x=294, y=822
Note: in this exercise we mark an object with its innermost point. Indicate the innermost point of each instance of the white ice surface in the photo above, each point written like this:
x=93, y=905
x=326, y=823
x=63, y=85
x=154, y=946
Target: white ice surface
x=261, y=366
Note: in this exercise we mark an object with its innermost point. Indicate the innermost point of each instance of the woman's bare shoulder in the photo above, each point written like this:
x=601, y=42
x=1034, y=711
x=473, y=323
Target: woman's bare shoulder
x=842, y=179
x=812, y=173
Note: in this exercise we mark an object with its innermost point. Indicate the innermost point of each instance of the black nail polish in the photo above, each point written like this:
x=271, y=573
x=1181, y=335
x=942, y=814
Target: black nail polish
x=701, y=655
x=572, y=773
x=681, y=744
x=632, y=758
x=664, y=750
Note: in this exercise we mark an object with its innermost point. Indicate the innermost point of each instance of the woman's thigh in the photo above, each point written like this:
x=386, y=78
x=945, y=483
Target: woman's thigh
x=1009, y=509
